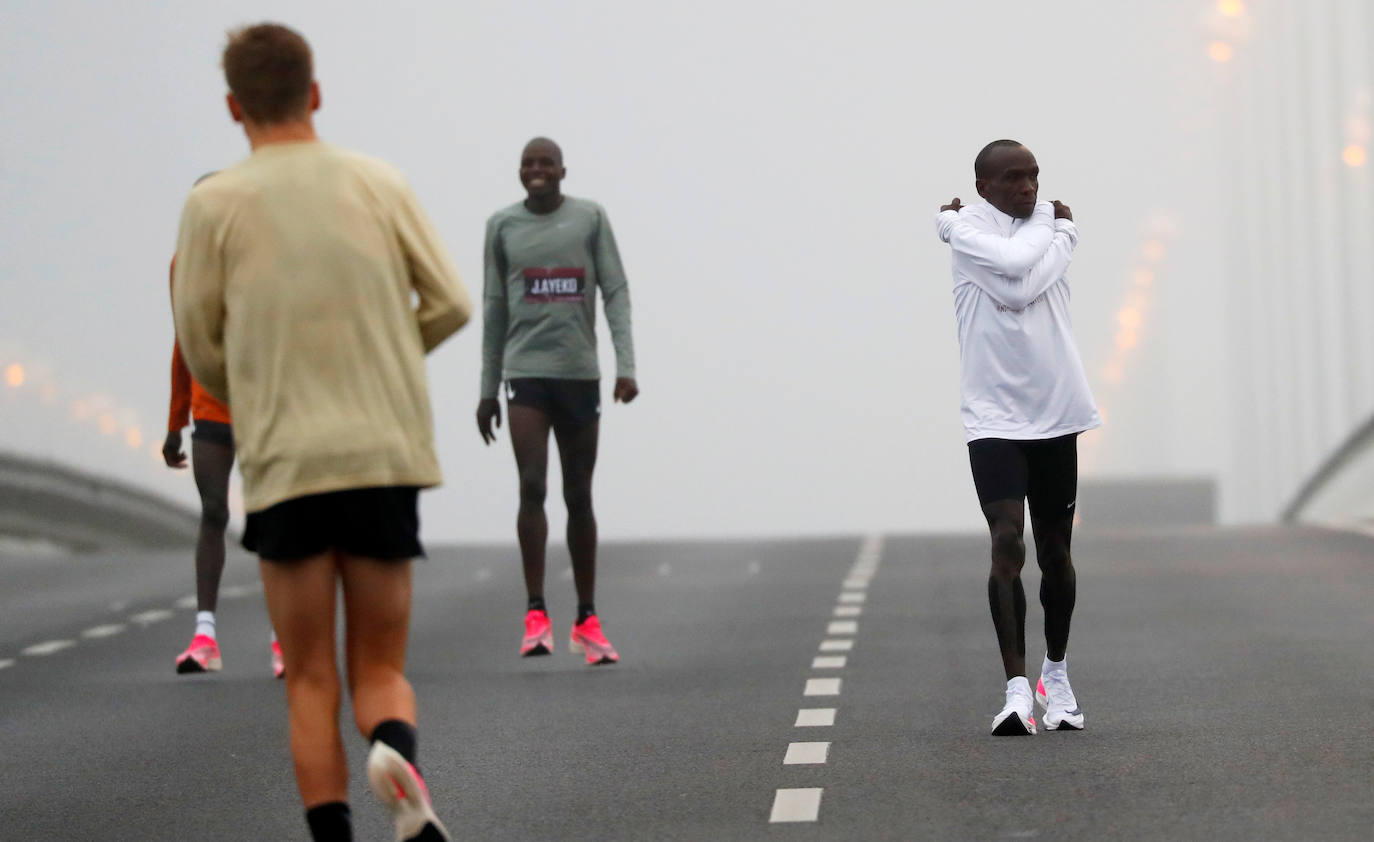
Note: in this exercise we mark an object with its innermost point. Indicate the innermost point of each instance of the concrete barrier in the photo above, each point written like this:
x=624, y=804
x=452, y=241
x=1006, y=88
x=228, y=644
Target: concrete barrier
x=45, y=501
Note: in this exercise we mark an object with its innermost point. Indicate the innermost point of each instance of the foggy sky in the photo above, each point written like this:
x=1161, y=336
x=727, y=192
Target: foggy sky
x=771, y=171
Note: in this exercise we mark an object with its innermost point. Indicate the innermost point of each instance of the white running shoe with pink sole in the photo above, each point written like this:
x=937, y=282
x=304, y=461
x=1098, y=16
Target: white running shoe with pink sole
x=402, y=791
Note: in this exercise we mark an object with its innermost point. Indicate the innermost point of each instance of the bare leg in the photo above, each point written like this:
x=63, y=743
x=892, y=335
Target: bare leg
x=577, y=455
x=211, y=464
x=1058, y=581
x=1006, y=596
x=300, y=601
x=529, y=435
x=377, y=623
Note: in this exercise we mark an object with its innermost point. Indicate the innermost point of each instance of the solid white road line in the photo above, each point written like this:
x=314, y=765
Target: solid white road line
x=822, y=687
x=828, y=662
x=836, y=645
x=848, y=610
x=842, y=627
x=815, y=718
x=48, y=647
x=103, y=631
x=805, y=753
x=796, y=805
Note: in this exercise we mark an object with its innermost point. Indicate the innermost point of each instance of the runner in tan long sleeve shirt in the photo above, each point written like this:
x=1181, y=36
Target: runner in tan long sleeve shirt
x=295, y=274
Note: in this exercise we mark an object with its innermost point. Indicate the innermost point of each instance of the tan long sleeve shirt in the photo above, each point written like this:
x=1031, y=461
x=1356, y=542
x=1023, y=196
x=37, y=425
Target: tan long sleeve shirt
x=296, y=286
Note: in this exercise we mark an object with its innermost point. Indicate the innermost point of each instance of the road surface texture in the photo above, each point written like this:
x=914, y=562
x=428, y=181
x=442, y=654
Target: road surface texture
x=1227, y=676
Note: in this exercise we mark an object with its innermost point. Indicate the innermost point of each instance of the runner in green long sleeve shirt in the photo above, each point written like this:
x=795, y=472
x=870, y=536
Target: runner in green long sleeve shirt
x=545, y=257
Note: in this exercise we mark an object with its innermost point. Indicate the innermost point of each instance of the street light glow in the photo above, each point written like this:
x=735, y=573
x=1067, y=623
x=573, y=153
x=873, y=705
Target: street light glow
x=1354, y=155
x=14, y=375
x=1220, y=51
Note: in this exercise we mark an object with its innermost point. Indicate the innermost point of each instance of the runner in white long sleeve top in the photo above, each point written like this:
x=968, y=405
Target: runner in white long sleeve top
x=1025, y=400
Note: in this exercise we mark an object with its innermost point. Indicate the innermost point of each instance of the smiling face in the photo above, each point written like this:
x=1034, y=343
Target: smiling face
x=541, y=168
x=1010, y=180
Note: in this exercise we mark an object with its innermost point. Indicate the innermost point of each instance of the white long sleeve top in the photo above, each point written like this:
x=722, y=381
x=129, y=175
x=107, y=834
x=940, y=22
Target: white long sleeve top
x=1021, y=376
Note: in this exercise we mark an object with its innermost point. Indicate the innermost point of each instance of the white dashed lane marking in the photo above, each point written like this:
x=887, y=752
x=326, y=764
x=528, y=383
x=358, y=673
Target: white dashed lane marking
x=822, y=687
x=796, y=805
x=6, y=662
x=187, y=602
x=103, y=631
x=38, y=650
x=804, y=804
x=147, y=618
x=815, y=718
x=805, y=753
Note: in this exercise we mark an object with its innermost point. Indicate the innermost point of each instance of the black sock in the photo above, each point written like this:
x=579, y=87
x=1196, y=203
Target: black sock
x=537, y=604
x=330, y=822
x=585, y=610
x=400, y=736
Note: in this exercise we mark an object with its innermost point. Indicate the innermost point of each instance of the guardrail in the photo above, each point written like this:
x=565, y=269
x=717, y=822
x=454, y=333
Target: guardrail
x=44, y=500
x=1332, y=475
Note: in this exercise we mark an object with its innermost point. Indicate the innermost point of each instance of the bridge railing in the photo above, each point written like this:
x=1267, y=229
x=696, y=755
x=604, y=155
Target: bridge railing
x=56, y=503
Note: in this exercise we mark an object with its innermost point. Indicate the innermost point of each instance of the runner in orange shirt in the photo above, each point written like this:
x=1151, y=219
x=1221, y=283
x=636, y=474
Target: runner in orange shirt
x=212, y=460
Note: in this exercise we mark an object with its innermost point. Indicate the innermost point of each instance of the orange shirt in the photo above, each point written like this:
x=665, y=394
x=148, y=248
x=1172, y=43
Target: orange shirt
x=188, y=398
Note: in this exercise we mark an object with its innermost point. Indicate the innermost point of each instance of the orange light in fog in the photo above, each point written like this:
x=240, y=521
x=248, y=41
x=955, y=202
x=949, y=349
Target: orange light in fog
x=1353, y=155
x=1231, y=8
x=14, y=375
x=134, y=438
x=1220, y=51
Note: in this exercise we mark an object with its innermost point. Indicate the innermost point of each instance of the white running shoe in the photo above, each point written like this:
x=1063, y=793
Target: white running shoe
x=1017, y=718
x=1055, y=695
x=402, y=791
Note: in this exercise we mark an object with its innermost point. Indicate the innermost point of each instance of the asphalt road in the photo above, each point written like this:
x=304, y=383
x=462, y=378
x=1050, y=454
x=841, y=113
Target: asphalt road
x=1227, y=677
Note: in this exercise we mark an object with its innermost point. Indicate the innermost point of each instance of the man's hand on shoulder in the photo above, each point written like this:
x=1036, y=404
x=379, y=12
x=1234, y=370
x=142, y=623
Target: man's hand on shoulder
x=1061, y=211
x=954, y=205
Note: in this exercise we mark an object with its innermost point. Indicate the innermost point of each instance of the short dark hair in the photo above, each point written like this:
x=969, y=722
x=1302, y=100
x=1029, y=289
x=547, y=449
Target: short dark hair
x=269, y=71
x=980, y=164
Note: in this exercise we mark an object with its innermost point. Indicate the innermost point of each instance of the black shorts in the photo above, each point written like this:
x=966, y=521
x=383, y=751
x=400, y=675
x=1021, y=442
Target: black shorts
x=568, y=403
x=213, y=432
x=381, y=523
x=1044, y=472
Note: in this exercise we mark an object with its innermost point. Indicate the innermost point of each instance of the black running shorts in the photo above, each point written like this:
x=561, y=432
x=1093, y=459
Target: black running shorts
x=1044, y=472
x=213, y=432
x=568, y=403
x=381, y=523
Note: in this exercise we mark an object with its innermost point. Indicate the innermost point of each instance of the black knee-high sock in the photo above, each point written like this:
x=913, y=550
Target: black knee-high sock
x=330, y=822
x=400, y=736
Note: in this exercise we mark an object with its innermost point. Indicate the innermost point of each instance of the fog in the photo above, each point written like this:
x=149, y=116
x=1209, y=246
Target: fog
x=771, y=171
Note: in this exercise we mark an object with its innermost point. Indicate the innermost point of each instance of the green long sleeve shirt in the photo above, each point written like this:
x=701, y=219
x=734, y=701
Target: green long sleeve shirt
x=539, y=302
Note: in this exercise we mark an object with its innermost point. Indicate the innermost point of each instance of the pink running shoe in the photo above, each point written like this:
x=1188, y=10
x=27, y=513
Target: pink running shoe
x=278, y=665
x=588, y=638
x=538, y=634
x=201, y=656
x=402, y=791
